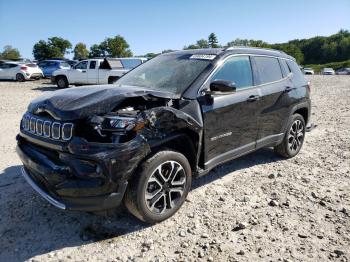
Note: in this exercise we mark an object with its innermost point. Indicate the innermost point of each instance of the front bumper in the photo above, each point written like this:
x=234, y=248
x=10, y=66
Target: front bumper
x=40, y=191
x=86, y=182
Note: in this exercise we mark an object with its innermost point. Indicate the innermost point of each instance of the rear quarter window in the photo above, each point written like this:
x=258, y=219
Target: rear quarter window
x=298, y=77
x=269, y=69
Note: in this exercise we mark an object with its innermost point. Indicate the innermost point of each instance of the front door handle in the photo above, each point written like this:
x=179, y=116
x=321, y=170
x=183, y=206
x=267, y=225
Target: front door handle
x=253, y=98
x=83, y=71
x=289, y=88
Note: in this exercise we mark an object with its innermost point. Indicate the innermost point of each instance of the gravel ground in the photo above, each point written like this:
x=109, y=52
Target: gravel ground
x=256, y=208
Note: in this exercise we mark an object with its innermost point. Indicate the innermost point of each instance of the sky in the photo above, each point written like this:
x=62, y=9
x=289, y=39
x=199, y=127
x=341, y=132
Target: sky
x=156, y=25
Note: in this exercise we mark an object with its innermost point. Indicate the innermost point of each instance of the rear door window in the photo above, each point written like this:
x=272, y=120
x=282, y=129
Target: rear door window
x=92, y=65
x=236, y=69
x=268, y=68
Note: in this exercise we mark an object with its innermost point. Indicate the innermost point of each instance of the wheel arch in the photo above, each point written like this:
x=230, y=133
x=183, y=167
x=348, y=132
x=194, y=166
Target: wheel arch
x=304, y=112
x=184, y=141
x=57, y=76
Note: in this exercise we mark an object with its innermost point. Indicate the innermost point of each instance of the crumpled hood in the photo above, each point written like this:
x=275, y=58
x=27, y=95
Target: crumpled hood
x=80, y=102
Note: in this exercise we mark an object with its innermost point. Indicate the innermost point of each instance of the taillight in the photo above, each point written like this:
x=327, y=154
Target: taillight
x=309, y=86
x=24, y=68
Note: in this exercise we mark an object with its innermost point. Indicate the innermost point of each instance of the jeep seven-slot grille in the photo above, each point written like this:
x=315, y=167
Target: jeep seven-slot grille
x=47, y=128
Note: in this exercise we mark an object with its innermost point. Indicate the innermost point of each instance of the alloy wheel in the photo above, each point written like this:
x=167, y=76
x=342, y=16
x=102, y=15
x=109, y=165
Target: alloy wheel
x=296, y=135
x=61, y=83
x=165, y=187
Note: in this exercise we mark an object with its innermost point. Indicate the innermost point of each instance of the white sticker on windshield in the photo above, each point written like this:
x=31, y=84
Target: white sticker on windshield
x=205, y=57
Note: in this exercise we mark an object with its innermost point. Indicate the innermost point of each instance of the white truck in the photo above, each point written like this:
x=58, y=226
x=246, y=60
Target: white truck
x=95, y=71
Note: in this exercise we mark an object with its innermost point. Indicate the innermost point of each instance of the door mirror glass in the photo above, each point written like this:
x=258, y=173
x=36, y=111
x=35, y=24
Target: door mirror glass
x=222, y=86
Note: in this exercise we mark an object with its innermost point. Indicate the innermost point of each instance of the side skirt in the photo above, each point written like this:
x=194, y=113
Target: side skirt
x=268, y=141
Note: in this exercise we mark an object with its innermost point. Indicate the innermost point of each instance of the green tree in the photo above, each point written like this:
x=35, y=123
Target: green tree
x=63, y=45
x=150, y=55
x=191, y=47
x=202, y=43
x=167, y=51
x=116, y=47
x=238, y=42
x=112, y=46
x=292, y=50
x=246, y=42
x=10, y=53
x=213, y=41
x=96, y=51
x=55, y=47
x=80, y=51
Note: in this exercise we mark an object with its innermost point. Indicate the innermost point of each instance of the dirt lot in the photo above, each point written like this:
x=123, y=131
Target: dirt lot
x=227, y=216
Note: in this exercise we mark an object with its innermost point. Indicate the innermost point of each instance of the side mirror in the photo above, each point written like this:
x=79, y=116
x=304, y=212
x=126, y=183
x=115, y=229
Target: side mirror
x=222, y=86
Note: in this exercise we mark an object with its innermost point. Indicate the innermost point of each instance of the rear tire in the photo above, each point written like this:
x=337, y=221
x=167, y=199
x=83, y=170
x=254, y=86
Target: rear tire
x=293, y=139
x=160, y=187
x=62, y=82
x=20, y=77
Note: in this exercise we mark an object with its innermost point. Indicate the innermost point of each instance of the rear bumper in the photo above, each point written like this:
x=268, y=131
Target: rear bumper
x=28, y=75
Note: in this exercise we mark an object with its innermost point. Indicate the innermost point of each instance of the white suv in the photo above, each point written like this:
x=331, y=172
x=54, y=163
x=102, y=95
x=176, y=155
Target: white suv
x=20, y=72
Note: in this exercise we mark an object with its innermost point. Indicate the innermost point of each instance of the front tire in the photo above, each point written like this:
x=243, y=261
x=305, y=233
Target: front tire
x=293, y=139
x=62, y=82
x=160, y=187
x=20, y=77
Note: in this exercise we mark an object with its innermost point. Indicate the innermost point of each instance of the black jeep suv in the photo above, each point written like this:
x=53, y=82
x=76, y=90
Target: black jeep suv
x=178, y=115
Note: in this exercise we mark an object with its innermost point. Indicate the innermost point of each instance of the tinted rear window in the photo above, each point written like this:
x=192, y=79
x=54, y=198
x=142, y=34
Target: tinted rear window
x=269, y=69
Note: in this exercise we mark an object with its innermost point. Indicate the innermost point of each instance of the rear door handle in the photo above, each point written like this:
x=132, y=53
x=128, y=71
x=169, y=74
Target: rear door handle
x=253, y=98
x=289, y=88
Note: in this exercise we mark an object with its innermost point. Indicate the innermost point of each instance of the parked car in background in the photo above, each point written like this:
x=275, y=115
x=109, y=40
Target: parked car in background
x=175, y=117
x=49, y=66
x=308, y=71
x=328, y=71
x=343, y=71
x=72, y=62
x=19, y=71
x=95, y=71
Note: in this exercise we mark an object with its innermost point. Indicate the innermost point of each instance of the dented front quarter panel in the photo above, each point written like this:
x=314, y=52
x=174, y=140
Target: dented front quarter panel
x=118, y=160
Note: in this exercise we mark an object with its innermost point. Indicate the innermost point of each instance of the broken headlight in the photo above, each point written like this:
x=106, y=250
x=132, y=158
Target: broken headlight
x=118, y=122
x=113, y=124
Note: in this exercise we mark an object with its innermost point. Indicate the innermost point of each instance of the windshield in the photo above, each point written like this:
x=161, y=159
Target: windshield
x=172, y=73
